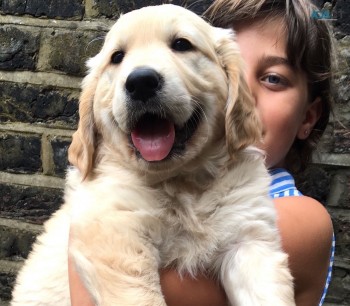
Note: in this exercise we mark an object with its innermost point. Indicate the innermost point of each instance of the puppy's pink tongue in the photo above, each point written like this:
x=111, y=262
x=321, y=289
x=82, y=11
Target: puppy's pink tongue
x=153, y=138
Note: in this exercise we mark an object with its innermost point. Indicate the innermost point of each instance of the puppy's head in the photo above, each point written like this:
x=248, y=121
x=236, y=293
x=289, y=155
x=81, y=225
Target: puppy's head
x=165, y=86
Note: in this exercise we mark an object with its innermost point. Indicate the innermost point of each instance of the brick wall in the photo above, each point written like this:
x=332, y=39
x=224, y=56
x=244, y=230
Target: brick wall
x=43, y=47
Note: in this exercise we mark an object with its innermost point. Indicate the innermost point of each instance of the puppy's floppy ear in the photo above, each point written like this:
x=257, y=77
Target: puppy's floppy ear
x=82, y=149
x=242, y=123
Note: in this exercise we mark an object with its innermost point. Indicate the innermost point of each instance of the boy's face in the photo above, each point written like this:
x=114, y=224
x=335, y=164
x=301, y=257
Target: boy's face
x=280, y=91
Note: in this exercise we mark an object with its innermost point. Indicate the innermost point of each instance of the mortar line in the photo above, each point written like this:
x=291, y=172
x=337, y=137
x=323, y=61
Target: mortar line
x=42, y=78
x=33, y=180
x=19, y=224
x=91, y=25
x=28, y=128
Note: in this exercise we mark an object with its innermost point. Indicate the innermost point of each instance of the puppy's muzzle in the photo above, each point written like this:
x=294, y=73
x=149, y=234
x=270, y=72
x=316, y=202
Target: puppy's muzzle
x=153, y=132
x=143, y=83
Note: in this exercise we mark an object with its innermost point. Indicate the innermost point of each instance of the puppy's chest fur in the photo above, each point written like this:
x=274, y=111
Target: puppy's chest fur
x=202, y=222
x=190, y=239
x=191, y=220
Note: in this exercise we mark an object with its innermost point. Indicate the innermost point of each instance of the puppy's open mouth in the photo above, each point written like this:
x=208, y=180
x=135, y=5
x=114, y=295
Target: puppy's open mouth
x=156, y=138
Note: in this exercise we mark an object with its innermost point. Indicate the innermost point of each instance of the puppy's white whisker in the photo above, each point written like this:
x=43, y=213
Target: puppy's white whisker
x=199, y=108
x=94, y=40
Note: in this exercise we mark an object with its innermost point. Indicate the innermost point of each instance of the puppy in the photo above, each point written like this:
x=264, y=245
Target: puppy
x=165, y=174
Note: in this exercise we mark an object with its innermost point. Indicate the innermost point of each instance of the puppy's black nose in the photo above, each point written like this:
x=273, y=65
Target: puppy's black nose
x=143, y=83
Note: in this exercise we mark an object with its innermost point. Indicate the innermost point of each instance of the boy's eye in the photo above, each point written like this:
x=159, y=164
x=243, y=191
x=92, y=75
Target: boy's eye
x=274, y=81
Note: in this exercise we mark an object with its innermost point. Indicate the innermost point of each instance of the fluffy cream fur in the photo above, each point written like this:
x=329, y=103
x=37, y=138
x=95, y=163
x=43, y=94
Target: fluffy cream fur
x=205, y=208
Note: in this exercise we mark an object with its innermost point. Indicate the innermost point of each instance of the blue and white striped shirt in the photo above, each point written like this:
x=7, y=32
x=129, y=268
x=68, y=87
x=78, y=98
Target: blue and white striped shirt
x=283, y=185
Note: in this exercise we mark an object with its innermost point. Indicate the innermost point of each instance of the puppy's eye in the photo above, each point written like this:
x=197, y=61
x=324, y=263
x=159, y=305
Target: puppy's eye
x=181, y=45
x=117, y=57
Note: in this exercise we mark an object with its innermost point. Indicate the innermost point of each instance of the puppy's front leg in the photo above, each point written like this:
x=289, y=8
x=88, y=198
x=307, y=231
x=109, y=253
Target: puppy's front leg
x=118, y=265
x=255, y=274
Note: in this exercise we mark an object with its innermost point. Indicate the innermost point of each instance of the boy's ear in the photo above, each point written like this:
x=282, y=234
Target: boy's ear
x=312, y=114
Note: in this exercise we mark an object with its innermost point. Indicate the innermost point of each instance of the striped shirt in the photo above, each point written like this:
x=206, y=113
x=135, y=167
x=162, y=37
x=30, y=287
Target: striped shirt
x=283, y=185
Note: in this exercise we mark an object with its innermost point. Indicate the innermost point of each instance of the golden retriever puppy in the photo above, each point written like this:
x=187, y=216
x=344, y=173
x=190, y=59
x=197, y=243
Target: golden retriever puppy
x=165, y=174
